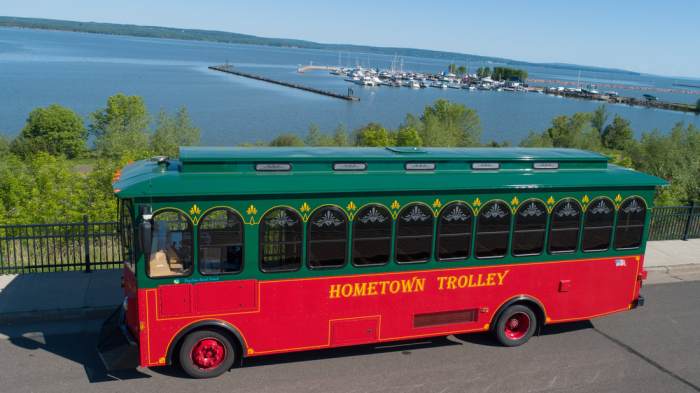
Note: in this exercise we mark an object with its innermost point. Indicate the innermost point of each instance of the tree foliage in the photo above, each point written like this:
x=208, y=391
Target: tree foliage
x=172, y=132
x=618, y=135
x=287, y=140
x=507, y=74
x=373, y=134
x=447, y=124
x=599, y=118
x=675, y=157
x=55, y=130
x=121, y=128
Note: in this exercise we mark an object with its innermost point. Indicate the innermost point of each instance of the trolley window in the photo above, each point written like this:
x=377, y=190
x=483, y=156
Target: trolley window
x=454, y=232
x=530, y=229
x=564, y=226
x=371, y=236
x=630, y=224
x=598, y=225
x=414, y=234
x=280, y=240
x=171, y=245
x=492, y=230
x=327, y=232
x=220, y=242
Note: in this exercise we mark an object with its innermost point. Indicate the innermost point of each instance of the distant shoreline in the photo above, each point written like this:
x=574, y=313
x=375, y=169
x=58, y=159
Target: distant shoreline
x=115, y=29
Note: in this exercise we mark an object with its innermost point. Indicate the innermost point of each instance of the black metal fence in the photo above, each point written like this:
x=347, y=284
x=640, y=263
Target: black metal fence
x=675, y=222
x=39, y=248
x=85, y=246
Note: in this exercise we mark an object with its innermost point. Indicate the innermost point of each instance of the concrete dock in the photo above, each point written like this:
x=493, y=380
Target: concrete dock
x=230, y=70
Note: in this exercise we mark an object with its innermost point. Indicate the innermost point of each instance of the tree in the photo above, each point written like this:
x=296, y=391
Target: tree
x=4, y=146
x=452, y=68
x=373, y=134
x=287, y=140
x=674, y=157
x=340, y=136
x=574, y=132
x=537, y=139
x=172, y=132
x=600, y=118
x=618, y=135
x=447, y=124
x=55, y=130
x=408, y=136
x=315, y=137
x=121, y=128
x=121, y=113
x=461, y=70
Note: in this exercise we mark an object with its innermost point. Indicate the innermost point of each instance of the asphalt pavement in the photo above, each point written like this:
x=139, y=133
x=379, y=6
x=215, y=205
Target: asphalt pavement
x=655, y=348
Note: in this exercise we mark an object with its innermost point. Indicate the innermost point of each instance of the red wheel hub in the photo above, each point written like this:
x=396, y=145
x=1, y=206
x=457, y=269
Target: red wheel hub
x=208, y=353
x=517, y=326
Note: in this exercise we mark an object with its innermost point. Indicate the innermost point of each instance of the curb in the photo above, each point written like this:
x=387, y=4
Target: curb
x=85, y=313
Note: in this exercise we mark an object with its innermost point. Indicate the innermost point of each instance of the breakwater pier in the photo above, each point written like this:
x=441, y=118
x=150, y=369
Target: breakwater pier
x=230, y=70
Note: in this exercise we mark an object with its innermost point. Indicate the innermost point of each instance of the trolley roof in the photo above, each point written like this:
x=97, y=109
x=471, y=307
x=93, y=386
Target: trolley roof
x=238, y=171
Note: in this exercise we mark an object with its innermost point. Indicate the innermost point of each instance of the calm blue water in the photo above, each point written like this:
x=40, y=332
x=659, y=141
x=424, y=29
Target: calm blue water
x=80, y=71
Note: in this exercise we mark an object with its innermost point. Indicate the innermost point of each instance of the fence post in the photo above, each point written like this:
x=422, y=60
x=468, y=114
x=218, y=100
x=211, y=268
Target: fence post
x=86, y=240
x=687, y=221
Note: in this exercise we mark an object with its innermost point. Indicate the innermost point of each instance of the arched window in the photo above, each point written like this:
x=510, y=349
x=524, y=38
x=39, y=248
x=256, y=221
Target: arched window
x=327, y=237
x=414, y=234
x=630, y=224
x=597, y=225
x=492, y=230
x=220, y=242
x=530, y=229
x=564, y=226
x=171, y=245
x=454, y=232
x=371, y=236
x=280, y=240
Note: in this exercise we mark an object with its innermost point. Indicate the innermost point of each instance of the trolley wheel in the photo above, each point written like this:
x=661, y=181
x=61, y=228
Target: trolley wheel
x=515, y=326
x=206, y=354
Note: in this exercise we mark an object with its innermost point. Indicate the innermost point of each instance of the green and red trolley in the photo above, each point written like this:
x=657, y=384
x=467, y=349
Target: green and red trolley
x=239, y=252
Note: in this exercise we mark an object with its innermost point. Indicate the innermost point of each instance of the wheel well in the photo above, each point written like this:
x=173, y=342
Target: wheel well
x=217, y=326
x=527, y=301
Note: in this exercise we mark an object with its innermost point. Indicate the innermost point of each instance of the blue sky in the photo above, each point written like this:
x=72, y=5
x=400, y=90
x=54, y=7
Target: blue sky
x=645, y=36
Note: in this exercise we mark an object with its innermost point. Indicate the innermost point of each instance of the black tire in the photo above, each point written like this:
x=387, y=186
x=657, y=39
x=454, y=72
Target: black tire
x=515, y=325
x=208, y=342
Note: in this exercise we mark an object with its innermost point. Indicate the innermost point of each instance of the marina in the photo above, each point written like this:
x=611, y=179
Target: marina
x=393, y=77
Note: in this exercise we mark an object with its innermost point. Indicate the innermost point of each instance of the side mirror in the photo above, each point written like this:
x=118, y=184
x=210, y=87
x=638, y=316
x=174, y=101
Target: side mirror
x=145, y=236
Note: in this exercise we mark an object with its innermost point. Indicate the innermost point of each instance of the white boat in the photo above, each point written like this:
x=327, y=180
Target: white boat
x=368, y=81
x=413, y=84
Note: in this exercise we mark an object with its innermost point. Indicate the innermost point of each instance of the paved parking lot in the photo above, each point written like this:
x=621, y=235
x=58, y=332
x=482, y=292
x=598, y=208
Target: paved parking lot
x=652, y=349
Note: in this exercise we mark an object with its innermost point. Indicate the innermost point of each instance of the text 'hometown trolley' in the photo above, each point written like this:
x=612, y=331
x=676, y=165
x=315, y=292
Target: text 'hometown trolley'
x=239, y=252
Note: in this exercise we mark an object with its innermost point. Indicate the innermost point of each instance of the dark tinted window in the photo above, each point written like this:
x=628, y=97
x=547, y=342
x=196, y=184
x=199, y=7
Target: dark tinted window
x=171, y=245
x=492, y=230
x=454, y=232
x=530, y=229
x=371, y=236
x=630, y=224
x=414, y=234
x=564, y=226
x=280, y=240
x=220, y=242
x=597, y=225
x=126, y=230
x=327, y=232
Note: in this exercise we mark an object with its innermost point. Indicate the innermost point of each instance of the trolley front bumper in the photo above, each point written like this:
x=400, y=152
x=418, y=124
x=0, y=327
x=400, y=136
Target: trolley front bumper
x=116, y=347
